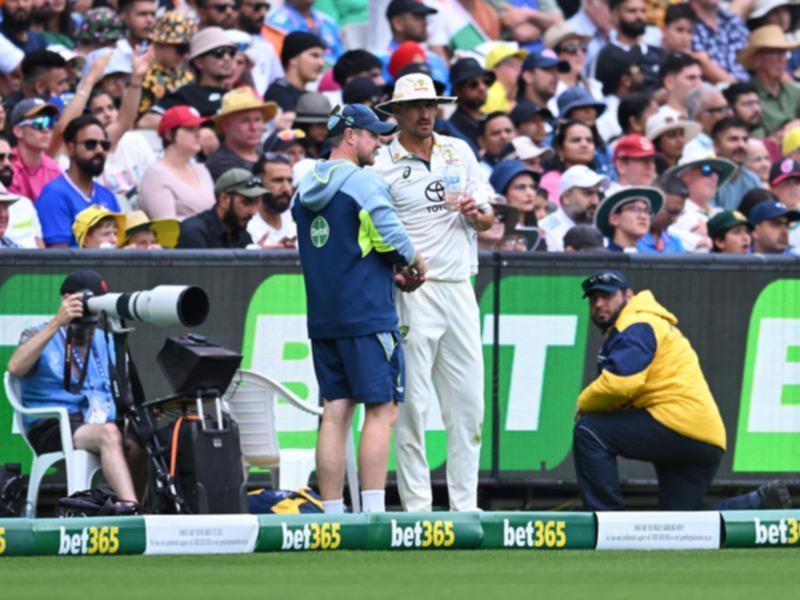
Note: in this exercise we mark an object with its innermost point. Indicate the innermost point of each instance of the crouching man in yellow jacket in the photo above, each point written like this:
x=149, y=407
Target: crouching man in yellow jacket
x=649, y=402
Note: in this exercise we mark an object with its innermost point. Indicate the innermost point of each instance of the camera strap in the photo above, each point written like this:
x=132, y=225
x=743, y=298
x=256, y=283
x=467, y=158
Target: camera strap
x=123, y=370
x=70, y=356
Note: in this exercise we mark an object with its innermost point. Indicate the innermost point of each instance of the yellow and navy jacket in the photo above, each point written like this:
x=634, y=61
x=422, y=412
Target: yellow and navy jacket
x=349, y=237
x=646, y=362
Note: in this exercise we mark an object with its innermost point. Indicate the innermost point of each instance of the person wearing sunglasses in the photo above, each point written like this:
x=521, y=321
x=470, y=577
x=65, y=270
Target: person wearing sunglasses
x=238, y=193
x=650, y=402
x=218, y=13
x=32, y=121
x=267, y=66
x=470, y=83
x=571, y=47
x=87, y=146
x=303, y=60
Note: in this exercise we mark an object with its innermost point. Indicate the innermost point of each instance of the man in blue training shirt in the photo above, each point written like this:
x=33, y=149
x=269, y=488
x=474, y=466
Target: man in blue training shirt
x=351, y=244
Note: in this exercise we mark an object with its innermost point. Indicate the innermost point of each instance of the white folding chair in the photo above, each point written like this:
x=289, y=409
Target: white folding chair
x=251, y=399
x=81, y=465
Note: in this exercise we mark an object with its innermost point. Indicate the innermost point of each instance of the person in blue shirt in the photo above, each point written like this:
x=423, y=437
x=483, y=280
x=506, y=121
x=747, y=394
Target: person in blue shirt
x=299, y=15
x=16, y=26
x=39, y=363
x=63, y=198
x=351, y=242
x=624, y=217
x=658, y=240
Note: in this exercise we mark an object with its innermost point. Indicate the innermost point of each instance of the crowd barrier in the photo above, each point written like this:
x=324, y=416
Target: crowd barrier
x=235, y=534
x=742, y=316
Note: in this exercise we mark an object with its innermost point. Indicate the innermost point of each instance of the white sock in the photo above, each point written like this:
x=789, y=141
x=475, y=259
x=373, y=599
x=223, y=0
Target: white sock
x=334, y=507
x=373, y=501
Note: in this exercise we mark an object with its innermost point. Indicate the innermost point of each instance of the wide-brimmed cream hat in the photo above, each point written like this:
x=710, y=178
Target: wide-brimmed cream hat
x=668, y=119
x=412, y=88
x=767, y=37
x=559, y=32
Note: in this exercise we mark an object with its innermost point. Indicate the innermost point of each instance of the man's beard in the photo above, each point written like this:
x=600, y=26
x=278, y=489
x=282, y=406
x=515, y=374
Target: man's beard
x=279, y=203
x=41, y=16
x=605, y=325
x=14, y=23
x=6, y=175
x=634, y=29
x=471, y=103
x=231, y=221
x=584, y=217
x=366, y=159
x=249, y=25
x=93, y=166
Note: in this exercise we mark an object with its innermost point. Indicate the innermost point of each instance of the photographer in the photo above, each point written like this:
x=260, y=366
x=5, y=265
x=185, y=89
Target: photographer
x=40, y=363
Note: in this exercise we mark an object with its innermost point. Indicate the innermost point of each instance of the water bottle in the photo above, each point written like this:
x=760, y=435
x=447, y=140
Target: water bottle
x=453, y=186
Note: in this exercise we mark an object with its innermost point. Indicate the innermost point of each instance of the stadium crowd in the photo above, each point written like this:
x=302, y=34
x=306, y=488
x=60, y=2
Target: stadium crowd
x=621, y=125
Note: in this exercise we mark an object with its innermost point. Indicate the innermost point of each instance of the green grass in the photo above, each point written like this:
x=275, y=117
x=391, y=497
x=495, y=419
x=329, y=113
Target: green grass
x=488, y=575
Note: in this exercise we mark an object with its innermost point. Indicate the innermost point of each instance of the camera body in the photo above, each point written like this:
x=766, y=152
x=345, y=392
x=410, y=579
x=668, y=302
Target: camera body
x=88, y=318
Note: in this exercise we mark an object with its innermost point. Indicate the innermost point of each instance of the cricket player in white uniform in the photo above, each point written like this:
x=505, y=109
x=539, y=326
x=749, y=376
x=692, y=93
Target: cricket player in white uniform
x=440, y=321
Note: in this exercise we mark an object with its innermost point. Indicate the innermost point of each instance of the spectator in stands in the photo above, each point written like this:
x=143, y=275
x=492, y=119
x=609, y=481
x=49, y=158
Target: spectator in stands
x=575, y=143
x=570, y=47
x=730, y=232
x=496, y=133
x=16, y=26
x=680, y=74
x=677, y=35
x=579, y=192
x=362, y=90
x=176, y=187
x=32, y=122
x=659, y=240
x=97, y=227
x=300, y=16
x=531, y=121
x=702, y=178
x=784, y=181
x=758, y=160
x=406, y=54
x=58, y=23
x=765, y=57
x=24, y=228
x=272, y=225
x=721, y=35
x=6, y=202
x=238, y=194
x=619, y=75
x=632, y=114
x=505, y=61
x=38, y=362
x=628, y=17
x=669, y=132
x=220, y=13
x=463, y=26
x=312, y=113
x=578, y=104
x=583, y=238
x=241, y=121
x=289, y=142
x=754, y=197
x=470, y=83
x=101, y=28
x=267, y=67
x=624, y=216
x=790, y=144
x=86, y=145
x=358, y=63
x=707, y=106
x=142, y=233
x=171, y=35
x=730, y=137
x=592, y=20
x=44, y=75
x=743, y=98
x=505, y=223
x=635, y=161
x=539, y=79
x=771, y=222
x=530, y=155
x=302, y=59
x=114, y=78
x=517, y=183
x=139, y=16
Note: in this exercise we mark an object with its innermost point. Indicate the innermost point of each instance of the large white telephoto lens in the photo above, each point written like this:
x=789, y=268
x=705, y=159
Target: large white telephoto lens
x=163, y=305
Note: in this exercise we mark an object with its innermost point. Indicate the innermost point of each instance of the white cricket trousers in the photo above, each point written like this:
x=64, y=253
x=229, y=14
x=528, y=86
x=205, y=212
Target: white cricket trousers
x=442, y=346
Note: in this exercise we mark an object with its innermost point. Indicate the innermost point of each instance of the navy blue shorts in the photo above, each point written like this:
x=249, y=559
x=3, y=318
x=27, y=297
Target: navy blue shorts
x=367, y=369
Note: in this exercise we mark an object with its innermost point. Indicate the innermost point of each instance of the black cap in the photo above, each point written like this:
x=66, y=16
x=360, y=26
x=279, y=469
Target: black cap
x=425, y=69
x=357, y=116
x=400, y=7
x=467, y=68
x=84, y=280
x=298, y=42
x=525, y=110
x=607, y=280
x=584, y=238
x=361, y=90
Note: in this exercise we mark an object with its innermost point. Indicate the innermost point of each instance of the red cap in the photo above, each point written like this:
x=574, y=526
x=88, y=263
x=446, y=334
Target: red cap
x=179, y=116
x=634, y=146
x=405, y=55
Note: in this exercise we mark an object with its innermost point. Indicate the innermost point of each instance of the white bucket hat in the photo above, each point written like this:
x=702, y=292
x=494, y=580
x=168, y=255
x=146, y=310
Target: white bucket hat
x=668, y=119
x=412, y=88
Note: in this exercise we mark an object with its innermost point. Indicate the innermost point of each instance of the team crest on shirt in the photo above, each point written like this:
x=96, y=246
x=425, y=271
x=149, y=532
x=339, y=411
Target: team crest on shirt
x=320, y=232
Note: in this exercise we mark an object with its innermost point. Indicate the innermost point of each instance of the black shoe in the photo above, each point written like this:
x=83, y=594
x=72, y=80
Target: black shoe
x=774, y=495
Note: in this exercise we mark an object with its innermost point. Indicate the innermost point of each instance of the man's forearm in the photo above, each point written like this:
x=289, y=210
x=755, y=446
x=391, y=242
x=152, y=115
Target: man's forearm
x=26, y=355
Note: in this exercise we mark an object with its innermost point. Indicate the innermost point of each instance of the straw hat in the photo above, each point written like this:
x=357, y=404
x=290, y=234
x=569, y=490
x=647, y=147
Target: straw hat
x=89, y=217
x=766, y=37
x=559, y=32
x=411, y=88
x=241, y=99
x=167, y=230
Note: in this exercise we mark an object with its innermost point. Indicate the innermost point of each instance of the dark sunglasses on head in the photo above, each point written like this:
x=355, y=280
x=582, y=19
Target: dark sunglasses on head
x=221, y=8
x=572, y=48
x=38, y=123
x=277, y=157
x=220, y=53
x=91, y=145
x=600, y=278
x=247, y=184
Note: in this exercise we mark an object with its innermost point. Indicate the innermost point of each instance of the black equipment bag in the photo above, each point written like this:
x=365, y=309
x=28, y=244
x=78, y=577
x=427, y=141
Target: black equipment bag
x=206, y=465
x=96, y=502
x=13, y=490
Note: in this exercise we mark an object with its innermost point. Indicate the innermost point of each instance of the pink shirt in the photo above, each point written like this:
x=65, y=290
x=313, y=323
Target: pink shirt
x=29, y=181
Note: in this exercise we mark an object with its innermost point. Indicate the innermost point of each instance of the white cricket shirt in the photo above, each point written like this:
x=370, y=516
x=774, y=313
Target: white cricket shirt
x=445, y=238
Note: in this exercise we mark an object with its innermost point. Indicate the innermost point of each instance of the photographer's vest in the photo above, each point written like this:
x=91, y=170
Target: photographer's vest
x=45, y=387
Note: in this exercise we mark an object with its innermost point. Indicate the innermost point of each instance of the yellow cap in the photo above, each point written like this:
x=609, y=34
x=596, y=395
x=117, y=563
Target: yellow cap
x=501, y=52
x=791, y=141
x=167, y=230
x=89, y=217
